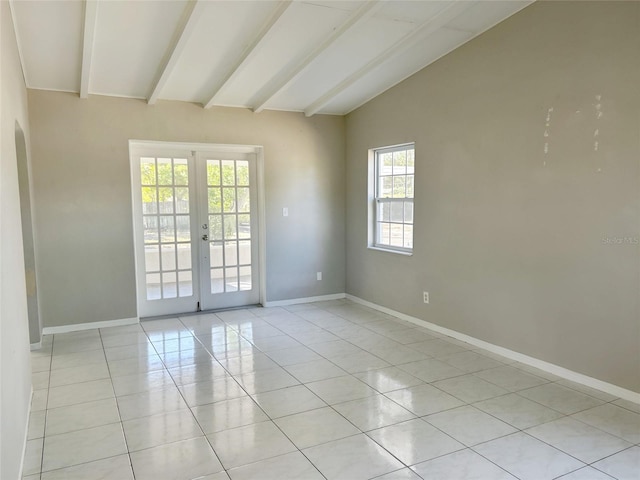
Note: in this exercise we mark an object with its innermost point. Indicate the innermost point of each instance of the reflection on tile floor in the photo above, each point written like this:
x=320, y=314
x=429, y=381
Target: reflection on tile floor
x=328, y=390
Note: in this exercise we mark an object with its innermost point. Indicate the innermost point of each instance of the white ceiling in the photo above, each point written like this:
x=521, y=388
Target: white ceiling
x=312, y=56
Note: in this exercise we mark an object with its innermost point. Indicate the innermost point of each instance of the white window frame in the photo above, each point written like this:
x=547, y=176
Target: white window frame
x=375, y=199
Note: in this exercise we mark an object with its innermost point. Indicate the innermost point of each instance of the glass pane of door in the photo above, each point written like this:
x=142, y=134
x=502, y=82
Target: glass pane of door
x=231, y=231
x=166, y=223
x=196, y=229
x=164, y=204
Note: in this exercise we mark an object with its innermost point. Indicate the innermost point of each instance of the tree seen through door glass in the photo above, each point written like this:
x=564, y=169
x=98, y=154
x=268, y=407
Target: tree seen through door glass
x=180, y=171
x=228, y=172
x=229, y=200
x=229, y=206
x=214, y=200
x=148, y=171
x=149, y=200
x=213, y=172
x=242, y=171
x=165, y=197
x=165, y=171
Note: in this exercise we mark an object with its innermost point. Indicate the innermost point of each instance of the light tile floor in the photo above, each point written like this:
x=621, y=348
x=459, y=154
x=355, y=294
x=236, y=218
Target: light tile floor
x=329, y=390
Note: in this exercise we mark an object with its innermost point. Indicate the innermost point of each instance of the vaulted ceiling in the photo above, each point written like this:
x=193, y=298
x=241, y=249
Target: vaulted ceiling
x=312, y=56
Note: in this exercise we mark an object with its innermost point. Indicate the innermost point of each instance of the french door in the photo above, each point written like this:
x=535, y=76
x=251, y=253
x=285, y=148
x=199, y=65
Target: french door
x=196, y=227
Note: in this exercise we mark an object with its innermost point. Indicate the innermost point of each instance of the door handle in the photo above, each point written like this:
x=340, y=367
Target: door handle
x=205, y=237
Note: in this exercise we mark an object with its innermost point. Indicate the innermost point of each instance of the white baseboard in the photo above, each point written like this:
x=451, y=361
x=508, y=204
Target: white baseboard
x=36, y=346
x=26, y=435
x=505, y=352
x=296, y=301
x=90, y=325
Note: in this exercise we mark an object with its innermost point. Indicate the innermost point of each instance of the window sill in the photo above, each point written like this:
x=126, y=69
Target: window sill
x=389, y=250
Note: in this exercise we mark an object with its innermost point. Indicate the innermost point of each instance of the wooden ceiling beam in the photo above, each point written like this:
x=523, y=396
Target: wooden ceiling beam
x=88, y=35
x=249, y=49
x=366, y=10
x=410, y=39
x=183, y=31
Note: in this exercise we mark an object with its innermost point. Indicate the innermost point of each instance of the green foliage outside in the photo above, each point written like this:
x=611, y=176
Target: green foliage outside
x=162, y=185
x=165, y=176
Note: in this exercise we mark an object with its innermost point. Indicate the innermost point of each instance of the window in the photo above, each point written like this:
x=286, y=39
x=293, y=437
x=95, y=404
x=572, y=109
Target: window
x=392, y=198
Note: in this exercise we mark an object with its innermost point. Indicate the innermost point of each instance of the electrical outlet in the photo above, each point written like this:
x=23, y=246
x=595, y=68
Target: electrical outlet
x=285, y=212
x=425, y=297
x=318, y=276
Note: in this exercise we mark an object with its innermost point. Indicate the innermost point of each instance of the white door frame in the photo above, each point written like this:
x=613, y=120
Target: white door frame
x=137, y=147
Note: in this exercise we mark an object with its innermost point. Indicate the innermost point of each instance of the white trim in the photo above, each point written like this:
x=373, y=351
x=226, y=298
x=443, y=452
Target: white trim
x=134, y=176
x=379, y=248
x=505, y=352
x=422, y=30
x=296, y=301
x=262, y=225
x=178, y=304
x=141, y=146
x=113, y=95
x=365, y=11
x=238, y=298
x=26, y=434
x=18, y=42
x=88, y=35
x=193, y=151
x=473, y=34
x=90, y=326
x=373, y=165
x=250, y=49
x=190, y=15
x=36, y=346
x=61, y=90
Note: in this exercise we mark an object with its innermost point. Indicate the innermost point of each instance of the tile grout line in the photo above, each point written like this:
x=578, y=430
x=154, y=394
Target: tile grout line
x=435, y=386
x=236, y=327
x=115, y=399
x=272, y=419
x=362, y=432
x=189, y=407
x=46, y=407
x=398, y=423
x=517, y=429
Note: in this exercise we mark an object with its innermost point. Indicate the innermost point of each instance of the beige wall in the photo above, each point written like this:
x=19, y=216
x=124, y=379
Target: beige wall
x=15, y=363
x=82, y=196
x=515, y=245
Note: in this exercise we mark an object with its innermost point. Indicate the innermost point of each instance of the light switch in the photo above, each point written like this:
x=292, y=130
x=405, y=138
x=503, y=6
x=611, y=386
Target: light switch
x=285, y=212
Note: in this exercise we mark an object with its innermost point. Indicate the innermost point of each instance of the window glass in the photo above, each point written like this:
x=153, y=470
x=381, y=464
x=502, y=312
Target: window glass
x=394, y=169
